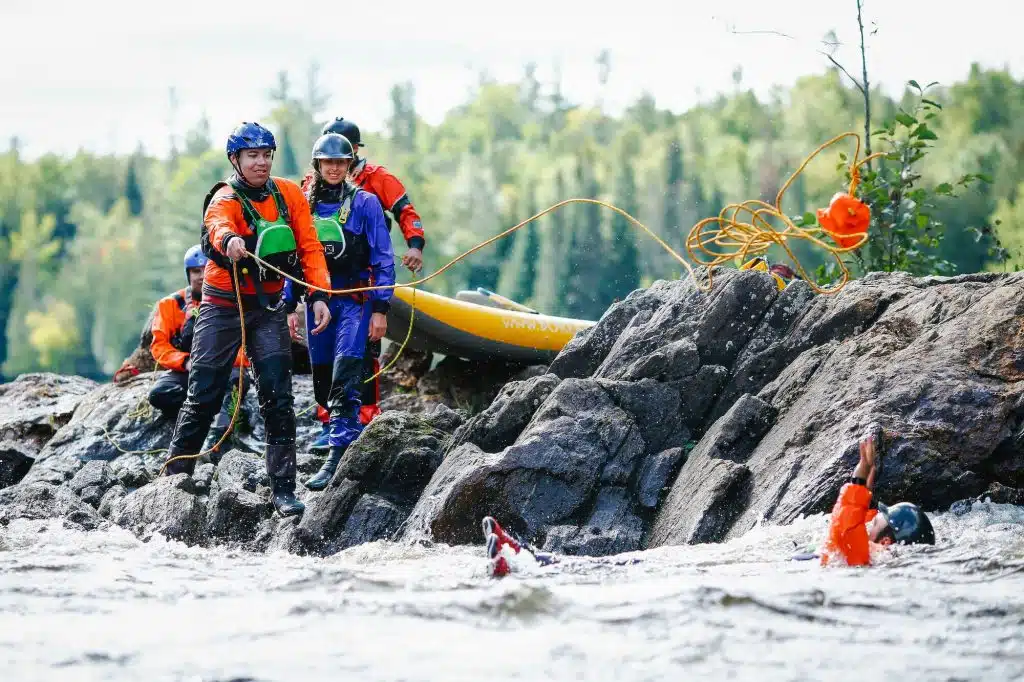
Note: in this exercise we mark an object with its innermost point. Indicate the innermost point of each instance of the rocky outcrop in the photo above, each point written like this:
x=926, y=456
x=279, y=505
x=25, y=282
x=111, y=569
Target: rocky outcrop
x=34, y=406
x=682, y=416
x=767, y=392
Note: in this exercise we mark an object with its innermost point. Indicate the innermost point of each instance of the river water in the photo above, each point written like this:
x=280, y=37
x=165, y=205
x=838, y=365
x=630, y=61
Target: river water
x=105, y=606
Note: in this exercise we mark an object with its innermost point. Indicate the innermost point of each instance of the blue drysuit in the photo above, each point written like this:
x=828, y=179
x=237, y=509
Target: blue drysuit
x=336, y=353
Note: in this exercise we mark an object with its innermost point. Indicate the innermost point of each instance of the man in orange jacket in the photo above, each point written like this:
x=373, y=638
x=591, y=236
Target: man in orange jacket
x=380, y=182
x=173, y=327
x=251, y=214
x=859, y=523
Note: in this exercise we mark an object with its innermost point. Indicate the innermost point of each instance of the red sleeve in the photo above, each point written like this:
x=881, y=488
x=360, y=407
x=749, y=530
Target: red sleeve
x=223, y=216
x=311, y=251
x=390, y=191
x=847, y=533
x=167, y=320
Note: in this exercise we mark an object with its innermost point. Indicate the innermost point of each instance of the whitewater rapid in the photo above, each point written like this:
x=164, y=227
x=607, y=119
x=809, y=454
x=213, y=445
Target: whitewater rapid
x=106, y=606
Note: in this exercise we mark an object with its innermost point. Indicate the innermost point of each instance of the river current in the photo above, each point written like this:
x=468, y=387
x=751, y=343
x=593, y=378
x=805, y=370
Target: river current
x=106, y=606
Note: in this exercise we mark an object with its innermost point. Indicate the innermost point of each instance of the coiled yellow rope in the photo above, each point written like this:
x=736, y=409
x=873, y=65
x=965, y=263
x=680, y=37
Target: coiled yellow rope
x=726, y=238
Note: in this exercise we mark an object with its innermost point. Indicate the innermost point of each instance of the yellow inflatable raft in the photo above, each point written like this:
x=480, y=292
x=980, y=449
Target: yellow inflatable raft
x=479, y=328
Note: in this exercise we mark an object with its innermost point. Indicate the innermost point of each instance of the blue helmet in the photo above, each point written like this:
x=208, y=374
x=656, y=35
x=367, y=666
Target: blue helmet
x=250, y=136
x=194, y=258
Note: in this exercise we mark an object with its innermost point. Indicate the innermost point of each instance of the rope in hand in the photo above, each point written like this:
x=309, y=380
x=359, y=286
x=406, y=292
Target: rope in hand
x=732, y=238
x=736, y=239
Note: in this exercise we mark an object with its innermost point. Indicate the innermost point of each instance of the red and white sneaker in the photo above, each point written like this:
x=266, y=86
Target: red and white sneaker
x=491, y=527
x=499, y=563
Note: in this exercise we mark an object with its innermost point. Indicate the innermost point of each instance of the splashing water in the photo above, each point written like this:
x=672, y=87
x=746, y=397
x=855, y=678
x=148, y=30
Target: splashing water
x=105, y=606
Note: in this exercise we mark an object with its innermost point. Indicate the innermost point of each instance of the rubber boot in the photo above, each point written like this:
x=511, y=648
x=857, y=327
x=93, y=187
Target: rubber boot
x=322, y=442
x=212, y=439
x=284, y=498
x=326, y=473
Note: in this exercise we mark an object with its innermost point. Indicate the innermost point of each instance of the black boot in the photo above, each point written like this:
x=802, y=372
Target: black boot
x=326, y=473
x=284, y=497
x=212, y=439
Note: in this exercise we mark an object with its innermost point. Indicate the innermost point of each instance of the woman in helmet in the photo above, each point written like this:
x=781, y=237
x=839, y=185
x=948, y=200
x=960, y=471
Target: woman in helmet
x=350, y=224
x=855, y=525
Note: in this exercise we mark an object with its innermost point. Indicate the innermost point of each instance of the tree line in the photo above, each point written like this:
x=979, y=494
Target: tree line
x=88, y=243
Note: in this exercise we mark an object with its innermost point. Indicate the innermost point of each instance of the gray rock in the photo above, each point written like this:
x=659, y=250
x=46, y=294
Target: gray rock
x=612, y=528
x=92, y=481
x=111, y=499
x=236, y=514
x=326, y=514
x=397, y=453
x=131, y=471
x=202, y=478
x=653, y=477
x=34, y=406
x=372, y=518
x=55, y=470
x=243, y=470
x=46, y=501
x=711, y=488
x=168, y=506
x=15, y=462
x=500, y=424
x=110, y=421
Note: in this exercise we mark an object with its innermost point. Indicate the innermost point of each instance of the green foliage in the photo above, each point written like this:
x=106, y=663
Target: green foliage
x=906, y=232
x=88, y=243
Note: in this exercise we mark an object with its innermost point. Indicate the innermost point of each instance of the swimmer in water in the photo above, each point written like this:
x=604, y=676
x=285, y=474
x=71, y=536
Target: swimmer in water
x=860, y=523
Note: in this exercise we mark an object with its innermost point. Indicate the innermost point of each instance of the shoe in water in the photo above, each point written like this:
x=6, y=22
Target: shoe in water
x=499, y=564
x=491, y=526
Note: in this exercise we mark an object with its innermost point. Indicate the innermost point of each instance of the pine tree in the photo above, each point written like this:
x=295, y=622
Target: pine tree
x=622, y=274
x=132, y=189
x=585, y=263
x=549, y=290
x=519, y=270
x=287, y=165
x=674, y=196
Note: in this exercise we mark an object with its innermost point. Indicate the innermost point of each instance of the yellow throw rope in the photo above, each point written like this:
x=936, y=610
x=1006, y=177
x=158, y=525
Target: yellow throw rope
x=724, y=238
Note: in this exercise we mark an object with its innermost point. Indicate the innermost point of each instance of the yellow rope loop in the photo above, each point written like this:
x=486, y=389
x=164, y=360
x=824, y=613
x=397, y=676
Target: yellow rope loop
x=748, y=229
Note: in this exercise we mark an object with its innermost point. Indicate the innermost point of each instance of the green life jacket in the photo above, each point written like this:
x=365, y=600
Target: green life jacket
x=272, y=241
x=330, y=231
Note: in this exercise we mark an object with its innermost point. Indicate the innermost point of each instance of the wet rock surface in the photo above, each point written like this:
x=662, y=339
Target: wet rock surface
x=682, y=416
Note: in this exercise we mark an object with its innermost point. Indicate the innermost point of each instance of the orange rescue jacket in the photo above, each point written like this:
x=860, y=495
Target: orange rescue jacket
x=168, y=321
x=847, y=532
x=224, y=218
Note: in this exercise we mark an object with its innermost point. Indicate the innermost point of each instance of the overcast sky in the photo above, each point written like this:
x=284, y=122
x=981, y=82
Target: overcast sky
x=96, y=74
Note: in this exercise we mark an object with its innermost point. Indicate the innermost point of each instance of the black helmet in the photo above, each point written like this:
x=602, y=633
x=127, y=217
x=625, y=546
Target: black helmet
x=346, y=128
x=332, y=146
x=910, y=525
